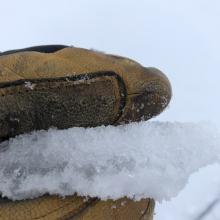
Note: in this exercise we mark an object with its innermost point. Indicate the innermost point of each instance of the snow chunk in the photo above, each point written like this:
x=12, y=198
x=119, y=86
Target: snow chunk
x=147, y=159
x=29, y=85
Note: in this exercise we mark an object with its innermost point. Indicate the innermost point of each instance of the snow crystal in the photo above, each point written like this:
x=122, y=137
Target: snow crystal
x=29, y=85
x=147, y=159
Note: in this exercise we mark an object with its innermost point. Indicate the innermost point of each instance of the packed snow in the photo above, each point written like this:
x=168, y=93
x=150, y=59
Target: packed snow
x=146, y=159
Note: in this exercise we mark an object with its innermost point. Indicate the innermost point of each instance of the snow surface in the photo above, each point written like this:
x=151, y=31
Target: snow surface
x=147, y=159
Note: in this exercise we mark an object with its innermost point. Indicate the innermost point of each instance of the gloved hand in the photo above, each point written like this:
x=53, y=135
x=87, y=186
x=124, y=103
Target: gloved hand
x=63, y=87
x=59, y=86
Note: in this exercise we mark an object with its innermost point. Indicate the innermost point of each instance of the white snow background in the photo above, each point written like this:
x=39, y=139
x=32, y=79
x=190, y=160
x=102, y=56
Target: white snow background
x=179, y=37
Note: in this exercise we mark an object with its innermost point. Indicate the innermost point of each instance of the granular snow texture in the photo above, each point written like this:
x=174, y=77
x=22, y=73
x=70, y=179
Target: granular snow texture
x=146, y=159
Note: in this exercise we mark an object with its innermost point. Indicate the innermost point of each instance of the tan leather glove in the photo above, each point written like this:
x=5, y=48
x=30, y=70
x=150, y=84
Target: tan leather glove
x=75, y=87
x=74, y=207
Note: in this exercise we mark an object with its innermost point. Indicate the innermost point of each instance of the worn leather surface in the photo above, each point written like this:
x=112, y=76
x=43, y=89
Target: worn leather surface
x=75, y=61
x=76, y=208
x=63, y=103
x=35, y=85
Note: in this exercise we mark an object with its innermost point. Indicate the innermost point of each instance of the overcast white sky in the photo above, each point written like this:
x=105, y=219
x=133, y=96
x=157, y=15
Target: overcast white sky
x=179, y=37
